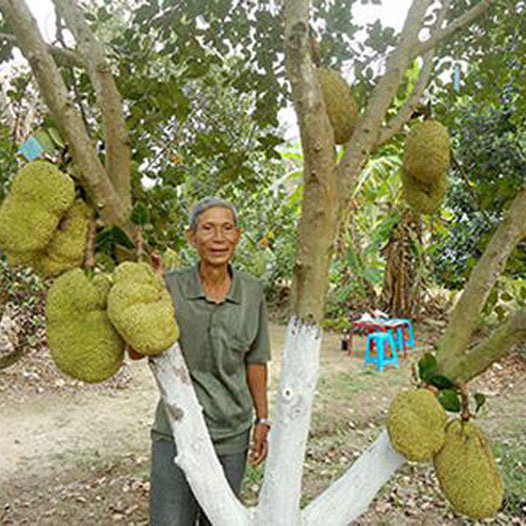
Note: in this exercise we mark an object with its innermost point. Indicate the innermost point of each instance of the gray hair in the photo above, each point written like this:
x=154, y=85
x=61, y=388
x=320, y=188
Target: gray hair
x=205, y=204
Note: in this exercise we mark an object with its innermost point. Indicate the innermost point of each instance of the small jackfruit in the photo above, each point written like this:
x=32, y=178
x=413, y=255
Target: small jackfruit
x=66, y=249
x=81, y=338
x=416, y=424
x=424, y=198
x=339, y=102
x=427, y=151
x=30, y=213
x=141, y=309
x=467, y=472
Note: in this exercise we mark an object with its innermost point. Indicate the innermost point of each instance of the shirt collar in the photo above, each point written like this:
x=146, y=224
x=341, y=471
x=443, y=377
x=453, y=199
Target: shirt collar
x=194, y=289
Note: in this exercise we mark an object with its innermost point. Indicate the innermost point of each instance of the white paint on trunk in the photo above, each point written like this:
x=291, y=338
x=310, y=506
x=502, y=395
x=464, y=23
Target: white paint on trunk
x=350, y=496
x=279, y=502
x=196, y=455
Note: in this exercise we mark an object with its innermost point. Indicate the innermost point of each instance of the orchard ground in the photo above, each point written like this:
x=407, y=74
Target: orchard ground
x=77, y=454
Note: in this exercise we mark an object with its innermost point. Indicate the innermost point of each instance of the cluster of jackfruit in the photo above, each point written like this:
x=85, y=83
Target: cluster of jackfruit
x=461, y=454
x=81, y=338
x=426, y=158
x=41, y=224
x=339, y=102
x=141, y=309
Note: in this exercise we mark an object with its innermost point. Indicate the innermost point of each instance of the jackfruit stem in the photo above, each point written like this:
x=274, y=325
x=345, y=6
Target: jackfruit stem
x=89, y=259
x=139, y=244
x=465, y=415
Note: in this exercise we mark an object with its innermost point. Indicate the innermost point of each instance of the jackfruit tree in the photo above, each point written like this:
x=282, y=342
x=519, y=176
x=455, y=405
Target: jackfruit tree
x=328, y=184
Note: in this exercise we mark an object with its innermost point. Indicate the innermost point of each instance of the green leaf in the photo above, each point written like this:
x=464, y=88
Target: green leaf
x=506, y=296
x=441, y=381
x=480, y=400
x=427, y=367
x=109, y=237
x=449, y=400
x=140, y=214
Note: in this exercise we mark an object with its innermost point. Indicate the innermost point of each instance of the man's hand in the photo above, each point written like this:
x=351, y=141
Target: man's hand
x=133, y=354
x=157, y=264
x=259, y=446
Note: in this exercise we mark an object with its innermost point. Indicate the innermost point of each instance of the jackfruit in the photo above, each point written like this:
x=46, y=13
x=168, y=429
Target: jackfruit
x=66, y=249
x=83, y=342
x=416, y=424
x=339, y=102
x=427, y=151
x=141, y=309
x=467, y=472
x=424, y=198
x=30, y=213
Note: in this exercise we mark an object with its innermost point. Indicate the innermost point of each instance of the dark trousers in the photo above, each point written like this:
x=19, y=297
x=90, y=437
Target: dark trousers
x=172, y=502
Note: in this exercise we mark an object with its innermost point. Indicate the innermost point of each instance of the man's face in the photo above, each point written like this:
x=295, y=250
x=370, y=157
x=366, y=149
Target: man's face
x=216, y=236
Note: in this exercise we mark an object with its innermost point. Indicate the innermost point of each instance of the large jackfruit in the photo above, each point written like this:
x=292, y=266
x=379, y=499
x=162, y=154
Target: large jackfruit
x=339, y=102
x=416, y=424
x=427, y=151
x=467, y=472
x=39, y=196
x=68, y=244
x=81, y=338
x=141, y=309
x=424, y=198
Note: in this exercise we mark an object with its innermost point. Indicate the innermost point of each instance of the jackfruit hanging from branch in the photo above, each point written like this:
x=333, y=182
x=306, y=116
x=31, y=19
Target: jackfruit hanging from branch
x=141, y=309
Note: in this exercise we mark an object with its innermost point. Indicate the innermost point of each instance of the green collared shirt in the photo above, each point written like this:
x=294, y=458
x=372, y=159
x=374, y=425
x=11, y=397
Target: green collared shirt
x=218, y=340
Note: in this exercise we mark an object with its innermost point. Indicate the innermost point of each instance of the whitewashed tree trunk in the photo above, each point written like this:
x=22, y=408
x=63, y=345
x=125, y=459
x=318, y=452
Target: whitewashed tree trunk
x=279, y=503
x=195, y=452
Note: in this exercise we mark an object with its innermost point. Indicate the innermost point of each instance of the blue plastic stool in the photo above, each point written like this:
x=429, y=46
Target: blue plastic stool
x=381, y=359
x=410, y=343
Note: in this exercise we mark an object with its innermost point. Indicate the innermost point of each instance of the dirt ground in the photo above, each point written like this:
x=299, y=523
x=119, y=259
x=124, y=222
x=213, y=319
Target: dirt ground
x=73, y=454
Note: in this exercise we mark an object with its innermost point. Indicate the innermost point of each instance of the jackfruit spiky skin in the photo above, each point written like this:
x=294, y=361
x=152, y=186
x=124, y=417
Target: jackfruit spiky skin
x=66, y=249
x=416, y=424
x=424, y=198
x=427, y=151
x=467, y=472
x=30, y=213
x=339, y=102
x=81, y=338
x=141, y=309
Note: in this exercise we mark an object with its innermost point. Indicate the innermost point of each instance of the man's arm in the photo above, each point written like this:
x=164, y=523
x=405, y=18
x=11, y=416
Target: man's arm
x=257, y=383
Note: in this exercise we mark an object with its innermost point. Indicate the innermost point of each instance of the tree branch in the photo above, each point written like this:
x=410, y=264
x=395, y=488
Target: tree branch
x=443, y=34
x=195, y=452
x=495, y=347
x=58, y=100
x=118, y=158
x=365, y=135
x=396, y=123
x=465, y=315
x=350, y=496
x=63, y=56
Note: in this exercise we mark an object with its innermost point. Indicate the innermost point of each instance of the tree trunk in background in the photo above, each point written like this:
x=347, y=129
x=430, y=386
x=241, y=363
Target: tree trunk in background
x=400, y=291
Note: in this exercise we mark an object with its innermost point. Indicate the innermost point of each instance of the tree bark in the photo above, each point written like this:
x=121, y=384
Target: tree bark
x=320, y=199
x=477, y=360
x=118, y=160
x=465, y=315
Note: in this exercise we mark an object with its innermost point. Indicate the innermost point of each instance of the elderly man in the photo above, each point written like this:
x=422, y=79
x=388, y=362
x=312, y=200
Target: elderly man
x=224, y=338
